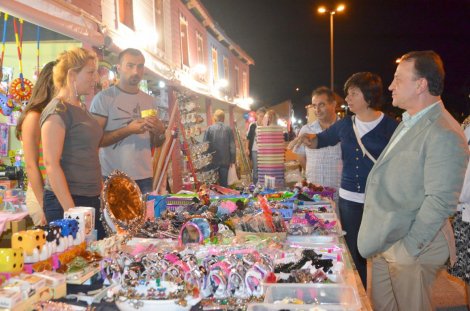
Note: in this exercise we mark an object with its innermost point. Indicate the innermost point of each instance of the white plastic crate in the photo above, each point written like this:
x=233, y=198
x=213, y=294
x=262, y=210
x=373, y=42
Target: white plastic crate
x=323, y=295
x=290, y=307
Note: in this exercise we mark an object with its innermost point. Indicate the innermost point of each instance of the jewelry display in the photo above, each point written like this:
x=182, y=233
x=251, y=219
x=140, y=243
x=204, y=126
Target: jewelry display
x=309, y=191
x=308, y=223
x=194, y=252
x=197, y=158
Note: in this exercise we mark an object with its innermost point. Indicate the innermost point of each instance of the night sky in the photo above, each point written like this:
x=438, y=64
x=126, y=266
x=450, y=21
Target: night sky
x=289, y=42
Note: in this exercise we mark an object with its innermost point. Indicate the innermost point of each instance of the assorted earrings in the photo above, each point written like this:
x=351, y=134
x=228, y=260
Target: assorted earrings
x=307, y=255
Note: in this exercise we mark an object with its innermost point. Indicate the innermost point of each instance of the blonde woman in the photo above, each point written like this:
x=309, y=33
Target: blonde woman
x=71, y=138
x=270, y=118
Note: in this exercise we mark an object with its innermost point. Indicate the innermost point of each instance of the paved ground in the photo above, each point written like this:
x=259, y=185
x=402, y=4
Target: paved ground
x=449, y=293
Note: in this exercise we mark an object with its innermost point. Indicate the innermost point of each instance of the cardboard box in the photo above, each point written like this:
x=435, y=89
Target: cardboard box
x=9, y=298
x=28, y=304
x=36, y=282
x=22, y=287
x=54, y=277
x=56, y=282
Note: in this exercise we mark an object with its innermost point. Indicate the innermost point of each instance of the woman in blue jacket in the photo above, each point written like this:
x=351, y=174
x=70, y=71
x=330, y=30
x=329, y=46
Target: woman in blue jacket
x=363, y=137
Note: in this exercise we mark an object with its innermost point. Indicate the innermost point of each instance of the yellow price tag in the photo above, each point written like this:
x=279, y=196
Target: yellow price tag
x=148, y=113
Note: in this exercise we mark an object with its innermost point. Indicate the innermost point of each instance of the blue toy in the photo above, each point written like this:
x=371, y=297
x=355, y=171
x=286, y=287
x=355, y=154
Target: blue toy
x=68, y=226
x=6, y=105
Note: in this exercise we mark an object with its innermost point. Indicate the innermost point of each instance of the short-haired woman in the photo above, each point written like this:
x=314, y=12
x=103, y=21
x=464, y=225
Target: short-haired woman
x=362, y=137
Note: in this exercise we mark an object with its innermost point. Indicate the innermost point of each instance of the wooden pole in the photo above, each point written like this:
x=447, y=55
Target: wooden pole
x=159, y=157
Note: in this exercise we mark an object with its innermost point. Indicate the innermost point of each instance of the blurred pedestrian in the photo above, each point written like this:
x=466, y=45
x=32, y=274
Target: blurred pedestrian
x=222, y=145
x=270, y=118
x=252, y=145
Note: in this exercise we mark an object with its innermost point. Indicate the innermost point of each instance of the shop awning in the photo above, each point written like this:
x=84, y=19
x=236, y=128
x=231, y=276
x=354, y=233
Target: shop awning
x=59, y=17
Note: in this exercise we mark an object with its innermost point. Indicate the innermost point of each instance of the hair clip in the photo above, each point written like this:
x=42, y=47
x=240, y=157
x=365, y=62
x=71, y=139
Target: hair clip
x=236, y=285
x=253, y=282
x=218, y=282
x=173, y=274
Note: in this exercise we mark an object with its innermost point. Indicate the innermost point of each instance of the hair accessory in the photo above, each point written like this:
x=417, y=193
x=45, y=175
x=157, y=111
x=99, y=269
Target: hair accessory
x=218, y=283
x=253, y=280
x=236, y=285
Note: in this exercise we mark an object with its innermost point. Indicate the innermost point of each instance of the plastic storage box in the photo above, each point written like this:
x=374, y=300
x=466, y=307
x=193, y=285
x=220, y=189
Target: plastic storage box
x=290, y=307
x=314, y=206
x=323, y=295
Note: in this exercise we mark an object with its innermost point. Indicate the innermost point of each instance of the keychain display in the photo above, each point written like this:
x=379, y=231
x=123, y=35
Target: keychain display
x=198, y=160
x=20, y=88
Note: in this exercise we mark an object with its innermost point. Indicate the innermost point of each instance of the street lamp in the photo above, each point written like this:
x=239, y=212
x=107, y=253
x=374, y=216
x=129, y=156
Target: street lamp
x=323, y=10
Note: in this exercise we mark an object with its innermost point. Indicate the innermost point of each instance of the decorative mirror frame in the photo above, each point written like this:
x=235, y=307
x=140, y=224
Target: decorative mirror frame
x=184, y=227
x=132, y=227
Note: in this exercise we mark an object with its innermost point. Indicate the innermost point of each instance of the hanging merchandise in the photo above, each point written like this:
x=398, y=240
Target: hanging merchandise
x=5, y=19
x=20, y=88
x=197, y=159
x=4, y=130
x=107, y=76
x=38, y=30
x=6, y=104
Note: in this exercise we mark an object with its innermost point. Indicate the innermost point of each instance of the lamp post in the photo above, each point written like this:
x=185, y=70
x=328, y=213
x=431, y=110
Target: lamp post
x=323, y=10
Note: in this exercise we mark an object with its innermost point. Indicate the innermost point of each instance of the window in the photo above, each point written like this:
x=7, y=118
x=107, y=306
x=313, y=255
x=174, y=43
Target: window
x=226, y=72
x=200, y=48
x=237, y=87
x=126, y=13
x=159, y=24
x=215, y=66
x=245, y=84
x=184, y=41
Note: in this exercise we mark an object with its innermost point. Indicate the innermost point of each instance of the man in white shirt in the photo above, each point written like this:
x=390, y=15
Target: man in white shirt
x=321, y=166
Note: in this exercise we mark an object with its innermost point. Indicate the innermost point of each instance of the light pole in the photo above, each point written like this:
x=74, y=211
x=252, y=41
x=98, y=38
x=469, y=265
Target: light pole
x=323, y=10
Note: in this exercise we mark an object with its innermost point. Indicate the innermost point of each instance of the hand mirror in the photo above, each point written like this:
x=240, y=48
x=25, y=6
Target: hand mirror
x=195, y=230
x=121, y=204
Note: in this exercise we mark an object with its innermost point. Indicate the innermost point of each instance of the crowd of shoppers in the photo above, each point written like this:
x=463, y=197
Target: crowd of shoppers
x=398, y=185
x=362, y=138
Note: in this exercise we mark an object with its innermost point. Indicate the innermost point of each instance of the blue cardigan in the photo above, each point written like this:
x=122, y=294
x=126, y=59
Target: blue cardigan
x=356, y=166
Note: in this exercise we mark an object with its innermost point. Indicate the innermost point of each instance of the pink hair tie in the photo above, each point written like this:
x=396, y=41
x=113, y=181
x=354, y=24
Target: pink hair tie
x=172, y=258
